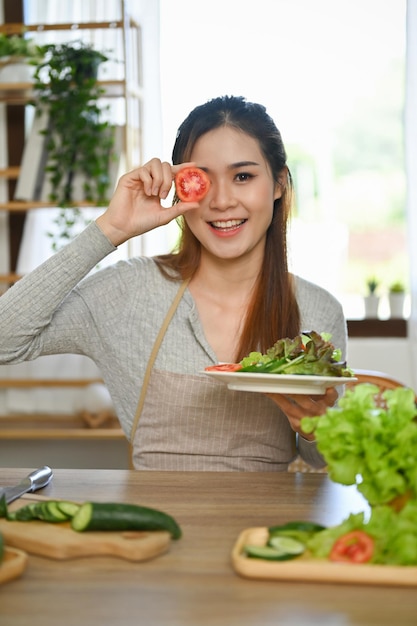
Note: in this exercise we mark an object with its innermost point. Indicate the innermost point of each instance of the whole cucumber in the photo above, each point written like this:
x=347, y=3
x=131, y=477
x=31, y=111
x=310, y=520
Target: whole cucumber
x=119, y=516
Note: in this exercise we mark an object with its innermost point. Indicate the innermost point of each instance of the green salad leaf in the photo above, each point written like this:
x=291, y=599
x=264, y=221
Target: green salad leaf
x=369, y=445
x=310, y=353
x=394, y=534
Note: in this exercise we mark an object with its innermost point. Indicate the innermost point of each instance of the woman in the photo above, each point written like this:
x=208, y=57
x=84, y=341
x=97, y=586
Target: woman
x=153, y=324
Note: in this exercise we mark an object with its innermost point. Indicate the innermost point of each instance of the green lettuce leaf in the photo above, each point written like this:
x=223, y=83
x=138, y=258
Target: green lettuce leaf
x=372, y=446
x=394, y=534
x=309, y=353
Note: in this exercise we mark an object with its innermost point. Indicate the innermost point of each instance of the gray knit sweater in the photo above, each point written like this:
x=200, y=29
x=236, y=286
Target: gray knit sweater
x=113, y=316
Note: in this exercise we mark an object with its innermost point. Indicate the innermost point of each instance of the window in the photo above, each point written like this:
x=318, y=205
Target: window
x=332, y=76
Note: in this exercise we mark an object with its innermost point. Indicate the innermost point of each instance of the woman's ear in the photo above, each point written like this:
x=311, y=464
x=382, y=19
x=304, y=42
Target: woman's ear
x=282, y=183
x=278, y=190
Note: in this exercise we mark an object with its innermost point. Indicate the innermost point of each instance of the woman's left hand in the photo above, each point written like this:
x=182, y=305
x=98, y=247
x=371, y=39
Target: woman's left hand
x=296, y=406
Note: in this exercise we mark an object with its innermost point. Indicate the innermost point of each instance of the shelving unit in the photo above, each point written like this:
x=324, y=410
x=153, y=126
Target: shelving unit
x=129, y=88
x=18, y=95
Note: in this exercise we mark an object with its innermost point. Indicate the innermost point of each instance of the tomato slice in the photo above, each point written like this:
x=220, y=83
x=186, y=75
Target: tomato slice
x=224, y=367
x=191, y=184
x=354, y=547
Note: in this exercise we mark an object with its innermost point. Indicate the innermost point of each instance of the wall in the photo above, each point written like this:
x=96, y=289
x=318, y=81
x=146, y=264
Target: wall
x=390, y=355
x=84, y=454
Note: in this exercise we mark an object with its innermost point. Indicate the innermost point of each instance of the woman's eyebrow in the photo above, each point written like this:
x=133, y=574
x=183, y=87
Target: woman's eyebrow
x=233, y=166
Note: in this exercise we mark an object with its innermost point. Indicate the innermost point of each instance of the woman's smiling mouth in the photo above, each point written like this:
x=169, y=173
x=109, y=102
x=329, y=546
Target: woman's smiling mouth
x=227, y=225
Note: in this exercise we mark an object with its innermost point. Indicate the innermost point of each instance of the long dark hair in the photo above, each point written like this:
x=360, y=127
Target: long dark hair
x=273, y=312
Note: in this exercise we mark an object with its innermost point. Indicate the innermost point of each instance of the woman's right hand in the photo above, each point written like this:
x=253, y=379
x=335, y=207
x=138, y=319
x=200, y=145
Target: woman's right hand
x=136, y=208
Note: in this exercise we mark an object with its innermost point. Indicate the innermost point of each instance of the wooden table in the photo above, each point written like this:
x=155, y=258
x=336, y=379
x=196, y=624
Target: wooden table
x=194, y=583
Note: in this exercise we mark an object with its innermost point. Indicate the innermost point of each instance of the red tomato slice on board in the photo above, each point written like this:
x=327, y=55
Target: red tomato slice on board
x=224, y=367
x=354, y=547
x=191, y=184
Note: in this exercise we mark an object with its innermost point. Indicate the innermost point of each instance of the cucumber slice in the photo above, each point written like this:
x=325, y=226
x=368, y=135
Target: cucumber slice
x=298, y=535
x=310, y=527
x=267, y=553
x=50, y=512
x=68, y=508
x=286, y=545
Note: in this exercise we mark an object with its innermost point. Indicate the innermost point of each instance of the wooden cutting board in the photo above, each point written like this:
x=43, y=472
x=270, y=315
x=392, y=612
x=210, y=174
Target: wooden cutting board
x=59, y=541
x=315, y=570
x=13, y=564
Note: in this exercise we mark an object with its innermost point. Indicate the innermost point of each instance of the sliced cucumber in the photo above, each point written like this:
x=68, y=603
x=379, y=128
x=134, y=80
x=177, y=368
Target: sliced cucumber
x=50, y=512
x=25, y=513
x=68, y=508
x=286, y=545
x=309, y=527
x=95, y=516
x=117, y=516
x=300, y=531
x=54, y=511
x=267, y=553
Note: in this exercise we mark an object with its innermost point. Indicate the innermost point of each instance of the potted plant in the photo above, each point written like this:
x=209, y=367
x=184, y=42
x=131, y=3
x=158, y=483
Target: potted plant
x=79, y=141
x=396, y=299
x=17, y=53
x=371, y=299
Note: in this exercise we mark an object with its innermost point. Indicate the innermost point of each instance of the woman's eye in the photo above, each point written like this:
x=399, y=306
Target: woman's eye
x=243, y=177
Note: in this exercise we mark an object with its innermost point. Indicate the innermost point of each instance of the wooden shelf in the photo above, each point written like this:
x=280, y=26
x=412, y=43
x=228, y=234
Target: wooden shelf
x=15, y=206
x=11, y=173
x=83, y=425
x=12, y=28
x=64, y=433
x=30, y=383
x=10, y=279
x=62, y=427
x=378, y=328
x=23, y=93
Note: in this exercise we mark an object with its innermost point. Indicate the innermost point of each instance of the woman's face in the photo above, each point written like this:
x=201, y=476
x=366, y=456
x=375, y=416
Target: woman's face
x=234, y=216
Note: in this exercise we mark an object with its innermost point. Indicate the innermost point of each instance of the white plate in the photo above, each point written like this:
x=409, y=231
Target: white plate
x=279, y=383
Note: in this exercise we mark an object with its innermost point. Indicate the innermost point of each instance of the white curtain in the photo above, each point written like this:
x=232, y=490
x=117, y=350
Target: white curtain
x=36, y=245
x=411, y=168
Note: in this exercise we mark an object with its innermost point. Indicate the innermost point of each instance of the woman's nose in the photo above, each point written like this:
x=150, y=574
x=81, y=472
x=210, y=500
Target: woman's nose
x=221, y=196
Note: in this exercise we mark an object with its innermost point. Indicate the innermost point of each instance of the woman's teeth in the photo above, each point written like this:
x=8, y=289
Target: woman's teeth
x=227, y=225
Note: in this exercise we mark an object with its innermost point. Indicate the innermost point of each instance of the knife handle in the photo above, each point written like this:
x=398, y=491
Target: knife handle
x=40, y=477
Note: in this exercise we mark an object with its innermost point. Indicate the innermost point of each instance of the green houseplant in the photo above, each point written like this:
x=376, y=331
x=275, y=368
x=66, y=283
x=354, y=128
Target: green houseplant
x=17, y=54
x=371, y=299
x=18, y=46
x=372, y=285
x=79, y=141
x=397, y=287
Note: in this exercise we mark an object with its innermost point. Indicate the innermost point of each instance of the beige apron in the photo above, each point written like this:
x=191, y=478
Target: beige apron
x=190, y=422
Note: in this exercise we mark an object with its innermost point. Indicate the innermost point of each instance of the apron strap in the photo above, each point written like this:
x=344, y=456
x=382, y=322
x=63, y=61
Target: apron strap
x=154, y=353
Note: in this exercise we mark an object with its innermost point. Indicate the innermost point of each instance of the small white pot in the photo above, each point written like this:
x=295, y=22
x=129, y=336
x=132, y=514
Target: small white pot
x=15, y=70
x=396, y=304
x=371, y=303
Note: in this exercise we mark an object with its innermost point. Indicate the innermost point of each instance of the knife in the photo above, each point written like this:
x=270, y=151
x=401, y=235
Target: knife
x=32, y=482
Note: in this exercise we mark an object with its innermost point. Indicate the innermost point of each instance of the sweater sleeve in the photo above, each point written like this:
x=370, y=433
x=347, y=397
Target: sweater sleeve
x=28, y=308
